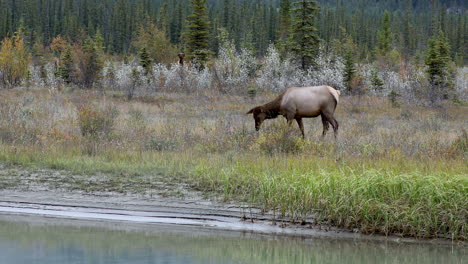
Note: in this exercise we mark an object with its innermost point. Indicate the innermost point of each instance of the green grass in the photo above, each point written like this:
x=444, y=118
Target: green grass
x=406, y=197
x=392, y=170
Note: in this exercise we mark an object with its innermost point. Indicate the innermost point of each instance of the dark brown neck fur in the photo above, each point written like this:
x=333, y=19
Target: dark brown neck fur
x=272, y=109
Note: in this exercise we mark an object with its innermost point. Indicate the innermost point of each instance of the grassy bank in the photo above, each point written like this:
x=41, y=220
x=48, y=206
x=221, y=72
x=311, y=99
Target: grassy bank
x=405, y=197
x=393, y=170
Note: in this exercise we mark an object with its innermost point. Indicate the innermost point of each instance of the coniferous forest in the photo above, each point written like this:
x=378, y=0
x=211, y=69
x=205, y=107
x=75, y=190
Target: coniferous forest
x=254, y=24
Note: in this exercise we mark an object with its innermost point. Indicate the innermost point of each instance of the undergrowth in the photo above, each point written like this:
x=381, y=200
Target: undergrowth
x=392, y=170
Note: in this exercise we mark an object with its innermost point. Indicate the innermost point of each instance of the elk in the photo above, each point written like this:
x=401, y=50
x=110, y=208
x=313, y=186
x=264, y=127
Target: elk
x=301, y=102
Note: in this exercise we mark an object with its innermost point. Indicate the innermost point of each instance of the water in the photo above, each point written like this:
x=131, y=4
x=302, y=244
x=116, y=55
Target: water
x=52, y=243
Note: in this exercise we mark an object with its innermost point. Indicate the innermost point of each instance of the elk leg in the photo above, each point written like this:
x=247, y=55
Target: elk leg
x=301, y=126
x=290, y=118
x=335, y=125
x=326, y=125
x=333, y=122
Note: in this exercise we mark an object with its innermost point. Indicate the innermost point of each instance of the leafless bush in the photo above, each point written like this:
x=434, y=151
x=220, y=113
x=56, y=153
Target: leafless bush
x=277, y=74
x=461, y=84
x=233, y=70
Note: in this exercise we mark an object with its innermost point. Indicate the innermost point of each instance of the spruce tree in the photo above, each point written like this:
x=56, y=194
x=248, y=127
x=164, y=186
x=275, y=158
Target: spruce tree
x=437, y=60
x=406, y=29
x=67, y=69
x=163, y=20
x=145, y=60
x=304, y=38
x=349, y=69
x=284, y=25
x=197, y=34
x=376, y=82
x=384, y=36
x=90, y=64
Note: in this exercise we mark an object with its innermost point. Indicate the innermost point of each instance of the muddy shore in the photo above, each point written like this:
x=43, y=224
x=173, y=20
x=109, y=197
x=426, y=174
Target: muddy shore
x=33, y=195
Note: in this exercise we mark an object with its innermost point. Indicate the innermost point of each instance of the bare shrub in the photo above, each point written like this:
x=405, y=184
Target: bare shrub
x=461, y=84
x=277, y=74
x=329, y=71
x=460, y=144
x=233, y=70
x=96, y=122
x=281, y=139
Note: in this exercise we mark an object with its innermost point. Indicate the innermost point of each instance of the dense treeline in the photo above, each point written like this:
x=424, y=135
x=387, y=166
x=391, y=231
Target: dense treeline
x=252, y=24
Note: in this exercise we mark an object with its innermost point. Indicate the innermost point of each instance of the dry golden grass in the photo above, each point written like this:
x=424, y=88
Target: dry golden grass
x=391, y=170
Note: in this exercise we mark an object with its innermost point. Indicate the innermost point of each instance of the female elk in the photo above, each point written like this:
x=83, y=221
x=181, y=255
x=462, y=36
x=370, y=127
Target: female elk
x=301, y=102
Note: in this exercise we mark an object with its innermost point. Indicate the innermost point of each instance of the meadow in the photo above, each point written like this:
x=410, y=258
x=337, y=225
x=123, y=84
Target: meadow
x=396, y=167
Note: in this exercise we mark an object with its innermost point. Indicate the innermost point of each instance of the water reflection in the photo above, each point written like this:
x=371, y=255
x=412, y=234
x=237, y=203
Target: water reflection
x=52, y=244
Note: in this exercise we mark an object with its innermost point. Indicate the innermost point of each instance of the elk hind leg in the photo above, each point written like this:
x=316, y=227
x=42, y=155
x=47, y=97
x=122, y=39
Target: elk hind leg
x=326, y=125
x=301, y=126
x=333, y=122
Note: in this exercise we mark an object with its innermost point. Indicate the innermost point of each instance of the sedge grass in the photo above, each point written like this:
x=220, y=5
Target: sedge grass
x=374, y=197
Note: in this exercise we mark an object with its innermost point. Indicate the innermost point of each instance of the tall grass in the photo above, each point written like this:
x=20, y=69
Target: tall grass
x=371, y=197
x=392, y=170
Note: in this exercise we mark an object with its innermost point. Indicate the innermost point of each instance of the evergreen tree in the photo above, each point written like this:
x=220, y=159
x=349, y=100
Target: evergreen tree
x=67, y=68
x=145, y=60
x=349, y=69
x=155, y=43
x=90, y=64
x=437, y=60
x=163, y=20
x=349, y=53
x=376, y=82
x=285, y=25
x=253, y=23
x=406, y=31
x=197, y=36
x=305, y=40
x=384, y=36
x=99, y=40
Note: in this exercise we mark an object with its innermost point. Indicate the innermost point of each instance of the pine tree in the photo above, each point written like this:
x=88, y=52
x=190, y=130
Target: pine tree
x=99, y=40
x=376, y=82
x=437, y=60
x=348, y=50
x=155, y=43
x=67, y=68
x=197, y=33
x=145, y=60
x=406, y=31
x=305, y=40
x=349, y=69
x=163, y=20
x=90, y=64
x=284, y=25
x=226, y=14
x=384, y=36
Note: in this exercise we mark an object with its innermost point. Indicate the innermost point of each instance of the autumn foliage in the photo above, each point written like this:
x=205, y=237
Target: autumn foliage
x=14, y=60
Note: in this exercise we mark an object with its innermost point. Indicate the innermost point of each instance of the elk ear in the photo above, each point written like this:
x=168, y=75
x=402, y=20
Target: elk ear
x=250, y=111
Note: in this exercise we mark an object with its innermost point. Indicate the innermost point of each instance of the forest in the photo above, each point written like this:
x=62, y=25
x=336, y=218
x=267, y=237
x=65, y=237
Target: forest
x=367, y=45
x=254, y=24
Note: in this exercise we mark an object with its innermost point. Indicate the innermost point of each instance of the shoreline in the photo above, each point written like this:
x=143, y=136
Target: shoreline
x=169, y=214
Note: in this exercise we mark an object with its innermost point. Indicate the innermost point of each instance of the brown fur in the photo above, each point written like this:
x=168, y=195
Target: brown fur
x=323, y=103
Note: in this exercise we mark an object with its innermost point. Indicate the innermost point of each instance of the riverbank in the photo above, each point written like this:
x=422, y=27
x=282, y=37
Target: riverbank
x=393, y=171
x=105, y=198
x=189, y=215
